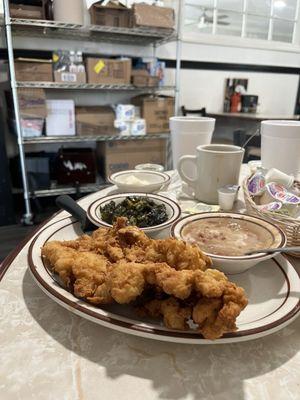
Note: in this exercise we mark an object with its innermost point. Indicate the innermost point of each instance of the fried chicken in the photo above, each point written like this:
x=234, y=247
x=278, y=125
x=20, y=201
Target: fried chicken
x=120, y=264
x=174, y=315
x=84, y=273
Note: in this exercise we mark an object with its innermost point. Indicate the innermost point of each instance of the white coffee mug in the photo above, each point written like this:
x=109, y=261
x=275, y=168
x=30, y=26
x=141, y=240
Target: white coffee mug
x=187, y=133
x=217, y=165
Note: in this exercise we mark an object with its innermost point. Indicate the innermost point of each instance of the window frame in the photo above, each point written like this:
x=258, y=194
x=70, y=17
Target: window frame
x=236, y=40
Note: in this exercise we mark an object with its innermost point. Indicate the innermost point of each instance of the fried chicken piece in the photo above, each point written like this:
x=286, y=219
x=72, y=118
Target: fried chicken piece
x=174, y=316
x=178, y=254
x=121, y=263
x=84, y=273
x=61, y=259
x=210, y=283
x=177, y=283
x=218, y=302
x=216, y=316
x=118, y=242
x=91, y=272
x=82, y=243
x=126, y=281
x=130, y=243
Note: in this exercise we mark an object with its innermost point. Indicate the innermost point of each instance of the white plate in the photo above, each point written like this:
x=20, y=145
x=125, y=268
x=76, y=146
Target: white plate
x=273, y=289
x=173, y=209
x=154, y=181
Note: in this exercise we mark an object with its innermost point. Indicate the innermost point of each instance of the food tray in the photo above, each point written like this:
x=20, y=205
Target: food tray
x=289, y=225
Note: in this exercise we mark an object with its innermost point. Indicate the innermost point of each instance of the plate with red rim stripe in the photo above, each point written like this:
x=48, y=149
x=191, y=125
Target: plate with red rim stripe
x=272, y=287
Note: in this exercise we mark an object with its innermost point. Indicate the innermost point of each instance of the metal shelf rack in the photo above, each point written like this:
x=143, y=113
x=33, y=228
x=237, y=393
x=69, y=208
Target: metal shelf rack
x=52, y=29
x=108, y=34
x=58, y=190
x=90, y=86
x=100, y=138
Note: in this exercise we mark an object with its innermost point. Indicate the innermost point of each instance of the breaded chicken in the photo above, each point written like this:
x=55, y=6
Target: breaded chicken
x=120, y=264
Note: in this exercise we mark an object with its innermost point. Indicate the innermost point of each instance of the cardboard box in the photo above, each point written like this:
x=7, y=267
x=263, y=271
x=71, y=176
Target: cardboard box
x=156, y=110
x=69, y=77
x=28, y=69
x=26, y=11
x=122, y=155
x=95, y=120
x=60, y=119
x=32, y=103
x=32, y=127
x=153, y=16
x=139, y=72
x=111, y=15
x=108, y=71
x=145, y=81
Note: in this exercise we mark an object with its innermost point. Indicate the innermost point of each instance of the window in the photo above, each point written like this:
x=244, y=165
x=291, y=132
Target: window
x=273, y=20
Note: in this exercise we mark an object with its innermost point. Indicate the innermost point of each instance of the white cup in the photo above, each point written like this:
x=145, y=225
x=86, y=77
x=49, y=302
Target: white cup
x=227, y=197
x=217, y=165
x=280, y=146
x=187, y=133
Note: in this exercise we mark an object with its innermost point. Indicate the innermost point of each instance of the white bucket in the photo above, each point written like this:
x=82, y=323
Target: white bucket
x=68, y=11
x=280, y=146
x=187, y=133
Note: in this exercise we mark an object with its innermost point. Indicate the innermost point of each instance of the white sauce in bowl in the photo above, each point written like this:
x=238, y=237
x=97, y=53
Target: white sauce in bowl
x=227, y=236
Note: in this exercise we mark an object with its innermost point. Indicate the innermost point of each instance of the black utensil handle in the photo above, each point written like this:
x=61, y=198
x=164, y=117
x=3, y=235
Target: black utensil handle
x=68, y=204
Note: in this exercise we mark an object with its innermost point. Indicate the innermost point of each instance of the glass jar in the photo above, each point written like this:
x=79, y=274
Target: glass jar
x=149, y=167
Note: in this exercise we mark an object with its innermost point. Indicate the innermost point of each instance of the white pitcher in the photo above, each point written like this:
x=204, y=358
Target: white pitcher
x=217, y=165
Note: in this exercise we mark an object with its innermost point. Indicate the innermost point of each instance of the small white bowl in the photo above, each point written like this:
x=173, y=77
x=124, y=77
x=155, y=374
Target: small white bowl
x=173, y=210
x=154, y=181
x=235, y=264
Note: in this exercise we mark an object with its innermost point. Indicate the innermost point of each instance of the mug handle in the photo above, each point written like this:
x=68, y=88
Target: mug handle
x=183, y=176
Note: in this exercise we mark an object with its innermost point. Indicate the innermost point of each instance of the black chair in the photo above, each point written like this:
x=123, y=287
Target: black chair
x=252, y=148
x=201, y=111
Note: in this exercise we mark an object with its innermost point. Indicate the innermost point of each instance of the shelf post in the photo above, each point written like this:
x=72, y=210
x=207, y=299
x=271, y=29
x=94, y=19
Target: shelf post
x=180, y=16
x=28, y=216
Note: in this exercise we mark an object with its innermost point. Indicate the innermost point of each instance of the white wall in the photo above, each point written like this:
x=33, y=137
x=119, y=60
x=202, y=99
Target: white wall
x=201, y=88
x=277, y=92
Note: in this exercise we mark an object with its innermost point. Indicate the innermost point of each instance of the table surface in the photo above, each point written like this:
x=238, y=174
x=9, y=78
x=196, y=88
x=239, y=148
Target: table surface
x=50, y=353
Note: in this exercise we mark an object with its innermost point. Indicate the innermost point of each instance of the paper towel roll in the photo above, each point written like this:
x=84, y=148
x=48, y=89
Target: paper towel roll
x=68, y=11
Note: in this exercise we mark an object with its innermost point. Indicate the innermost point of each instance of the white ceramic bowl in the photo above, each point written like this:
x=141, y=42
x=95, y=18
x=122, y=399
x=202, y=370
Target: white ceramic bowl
x=173, y=209
x=235, y=264
x=154, y=181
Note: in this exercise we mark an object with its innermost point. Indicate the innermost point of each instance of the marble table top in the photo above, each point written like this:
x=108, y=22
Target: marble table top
x=48, y=353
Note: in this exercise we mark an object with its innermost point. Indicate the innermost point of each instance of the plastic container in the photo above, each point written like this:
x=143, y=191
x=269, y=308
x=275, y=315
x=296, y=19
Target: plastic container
x=227, y=197
x=274, y=175
x=280, y=146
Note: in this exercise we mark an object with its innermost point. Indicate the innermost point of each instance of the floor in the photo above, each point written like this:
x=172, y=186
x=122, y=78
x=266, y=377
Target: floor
x=11, y=236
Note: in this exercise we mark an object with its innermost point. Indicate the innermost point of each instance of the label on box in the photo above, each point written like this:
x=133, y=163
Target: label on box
x=99, y=66
x=68, y=77
x=55, y=57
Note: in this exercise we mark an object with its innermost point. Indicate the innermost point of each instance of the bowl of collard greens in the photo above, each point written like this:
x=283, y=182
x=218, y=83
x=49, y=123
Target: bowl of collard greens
x=150, y=212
